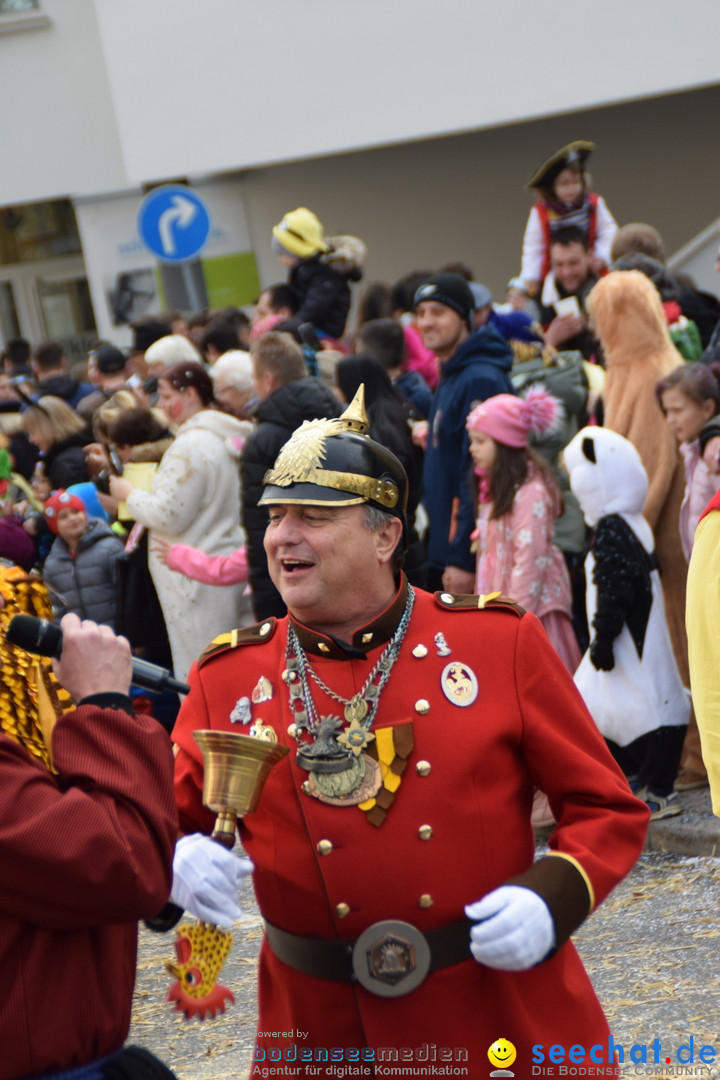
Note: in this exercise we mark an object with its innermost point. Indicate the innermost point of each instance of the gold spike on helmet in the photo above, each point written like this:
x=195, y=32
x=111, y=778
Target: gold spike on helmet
x=336, y=462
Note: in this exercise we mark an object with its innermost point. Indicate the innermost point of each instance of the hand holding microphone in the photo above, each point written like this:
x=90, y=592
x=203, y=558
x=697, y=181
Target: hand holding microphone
x=94, y=660
x=93, y=653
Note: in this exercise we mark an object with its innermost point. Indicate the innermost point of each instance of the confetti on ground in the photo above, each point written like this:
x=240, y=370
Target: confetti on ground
x=650, y=951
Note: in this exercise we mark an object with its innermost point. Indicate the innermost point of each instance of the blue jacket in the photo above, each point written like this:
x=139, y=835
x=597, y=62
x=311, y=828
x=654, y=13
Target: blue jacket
x=416, y=391
x=479, y=369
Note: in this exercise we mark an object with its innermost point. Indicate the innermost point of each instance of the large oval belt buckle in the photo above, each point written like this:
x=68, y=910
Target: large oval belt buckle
x=391, y=958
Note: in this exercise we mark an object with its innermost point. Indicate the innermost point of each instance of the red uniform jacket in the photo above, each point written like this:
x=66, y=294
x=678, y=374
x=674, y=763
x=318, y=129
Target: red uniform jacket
x=527, y=727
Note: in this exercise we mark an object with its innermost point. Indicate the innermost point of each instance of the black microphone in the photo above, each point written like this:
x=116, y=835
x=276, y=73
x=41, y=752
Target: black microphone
x=45, y=639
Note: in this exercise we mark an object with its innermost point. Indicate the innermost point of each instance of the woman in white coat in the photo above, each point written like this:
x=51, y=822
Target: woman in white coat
x=195, y=499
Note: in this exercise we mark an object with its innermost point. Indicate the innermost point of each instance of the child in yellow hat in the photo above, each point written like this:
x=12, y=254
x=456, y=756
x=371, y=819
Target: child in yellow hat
x=320, y=270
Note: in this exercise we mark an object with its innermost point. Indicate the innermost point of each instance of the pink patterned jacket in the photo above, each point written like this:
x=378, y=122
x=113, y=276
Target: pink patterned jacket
x=516, y=555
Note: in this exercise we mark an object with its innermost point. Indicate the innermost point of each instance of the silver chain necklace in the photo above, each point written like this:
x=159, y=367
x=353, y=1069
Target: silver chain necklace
x=360, y=709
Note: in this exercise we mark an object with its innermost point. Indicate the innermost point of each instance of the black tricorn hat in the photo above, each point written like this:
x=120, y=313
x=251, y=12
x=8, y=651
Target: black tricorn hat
x=574, y=155
x=333, y=462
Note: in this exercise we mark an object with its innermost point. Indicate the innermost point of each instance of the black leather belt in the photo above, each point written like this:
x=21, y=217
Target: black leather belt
x=390, y=958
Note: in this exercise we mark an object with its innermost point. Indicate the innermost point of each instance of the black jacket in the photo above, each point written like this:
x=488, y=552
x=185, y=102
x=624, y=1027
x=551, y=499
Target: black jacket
x=584, y=342
x=712, y=352
x=63, y=386
x=277, y=416
x=322, y=295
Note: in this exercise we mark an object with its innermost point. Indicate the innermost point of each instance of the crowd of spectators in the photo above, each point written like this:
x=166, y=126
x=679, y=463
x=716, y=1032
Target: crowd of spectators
x=132, y=481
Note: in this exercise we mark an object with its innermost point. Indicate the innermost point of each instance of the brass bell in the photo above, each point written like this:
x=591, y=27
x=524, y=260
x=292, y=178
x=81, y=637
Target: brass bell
x=236, y=768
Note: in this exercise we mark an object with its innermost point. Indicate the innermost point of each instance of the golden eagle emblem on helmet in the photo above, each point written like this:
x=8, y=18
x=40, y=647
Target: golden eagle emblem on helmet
x=334, y=461
x=303, y=453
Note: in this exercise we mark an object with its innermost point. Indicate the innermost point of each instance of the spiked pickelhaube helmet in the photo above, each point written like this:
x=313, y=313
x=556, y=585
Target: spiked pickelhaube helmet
x=334, y=462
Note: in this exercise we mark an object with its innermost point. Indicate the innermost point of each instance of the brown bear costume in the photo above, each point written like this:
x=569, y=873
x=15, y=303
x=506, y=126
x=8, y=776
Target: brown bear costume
x=631, y=325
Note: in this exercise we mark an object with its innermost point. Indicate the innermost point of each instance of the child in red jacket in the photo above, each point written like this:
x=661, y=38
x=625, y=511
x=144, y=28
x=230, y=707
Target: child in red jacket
x=561, y=185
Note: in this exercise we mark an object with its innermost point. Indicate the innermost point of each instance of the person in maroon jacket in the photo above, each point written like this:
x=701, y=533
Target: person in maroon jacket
x=86, y=850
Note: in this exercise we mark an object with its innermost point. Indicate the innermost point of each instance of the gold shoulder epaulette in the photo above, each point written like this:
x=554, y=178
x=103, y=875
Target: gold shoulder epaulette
x=245, y=635
x=466, y=601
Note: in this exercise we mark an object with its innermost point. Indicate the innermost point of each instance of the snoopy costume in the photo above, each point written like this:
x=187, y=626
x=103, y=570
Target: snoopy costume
x=628, y=676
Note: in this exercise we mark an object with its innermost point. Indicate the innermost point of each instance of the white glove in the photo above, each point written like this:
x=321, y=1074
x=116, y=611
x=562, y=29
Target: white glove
x=206, y=878
x=516, y=930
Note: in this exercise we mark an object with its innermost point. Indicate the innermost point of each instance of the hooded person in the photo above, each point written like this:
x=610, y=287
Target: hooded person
x=632, y=328
x=194, y=499
x=628, y=677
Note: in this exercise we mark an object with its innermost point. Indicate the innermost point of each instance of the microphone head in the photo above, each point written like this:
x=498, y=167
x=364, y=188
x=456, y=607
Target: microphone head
x=35, y=635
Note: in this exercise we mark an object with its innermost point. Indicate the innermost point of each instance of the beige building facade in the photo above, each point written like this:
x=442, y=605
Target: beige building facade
x=409, y=125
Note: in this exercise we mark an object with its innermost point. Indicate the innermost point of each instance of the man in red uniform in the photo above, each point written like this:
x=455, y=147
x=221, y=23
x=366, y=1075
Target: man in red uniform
x=405, y=918
x=86, y=851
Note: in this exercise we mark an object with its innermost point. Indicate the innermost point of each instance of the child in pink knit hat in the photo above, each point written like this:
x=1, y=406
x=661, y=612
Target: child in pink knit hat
x=518, y=502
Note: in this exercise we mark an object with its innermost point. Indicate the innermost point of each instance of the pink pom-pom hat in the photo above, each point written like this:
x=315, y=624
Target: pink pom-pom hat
x=512, y=420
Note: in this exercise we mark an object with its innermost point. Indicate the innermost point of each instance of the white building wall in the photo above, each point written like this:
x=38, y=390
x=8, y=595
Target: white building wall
x=57, y=124
x=112, y=95
x=462, y=197
x=225, y=84
x=409, y=123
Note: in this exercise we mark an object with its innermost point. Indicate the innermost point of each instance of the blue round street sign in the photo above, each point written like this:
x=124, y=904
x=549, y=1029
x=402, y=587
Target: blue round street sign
x=173, y=222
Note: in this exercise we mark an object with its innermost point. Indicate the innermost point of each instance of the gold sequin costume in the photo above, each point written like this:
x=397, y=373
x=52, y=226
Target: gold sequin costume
x=31, y=699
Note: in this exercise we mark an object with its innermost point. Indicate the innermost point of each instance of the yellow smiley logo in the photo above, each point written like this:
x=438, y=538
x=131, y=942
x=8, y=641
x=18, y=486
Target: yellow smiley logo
x=502, y=1053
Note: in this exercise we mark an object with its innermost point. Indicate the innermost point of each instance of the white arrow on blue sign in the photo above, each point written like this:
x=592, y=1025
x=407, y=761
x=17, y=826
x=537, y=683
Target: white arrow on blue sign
x=173, y=223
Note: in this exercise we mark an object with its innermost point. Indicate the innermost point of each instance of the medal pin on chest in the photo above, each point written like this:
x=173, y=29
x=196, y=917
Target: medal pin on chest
x=241, y=712
x=340, y=772
x=356, y=710
x=459, y=683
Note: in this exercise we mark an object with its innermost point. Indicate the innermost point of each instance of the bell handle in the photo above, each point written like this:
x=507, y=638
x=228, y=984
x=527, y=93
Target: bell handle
x=224, y=830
